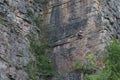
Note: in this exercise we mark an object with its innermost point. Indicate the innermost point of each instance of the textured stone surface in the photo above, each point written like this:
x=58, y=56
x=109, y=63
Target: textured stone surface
x=111, y=16
x=79, y=28
x=14, y=45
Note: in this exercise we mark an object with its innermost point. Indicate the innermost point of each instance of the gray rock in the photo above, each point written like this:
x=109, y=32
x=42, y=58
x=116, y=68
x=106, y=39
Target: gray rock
x=22, y=6
x=1, y=1
x=12, y=3
x=14, y=47
x=11, y=16
x=2, y=10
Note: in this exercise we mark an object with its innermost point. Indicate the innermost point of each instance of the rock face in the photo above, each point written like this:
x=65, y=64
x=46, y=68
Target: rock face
x=14, y=46
x=77, y=28
x=111, y=16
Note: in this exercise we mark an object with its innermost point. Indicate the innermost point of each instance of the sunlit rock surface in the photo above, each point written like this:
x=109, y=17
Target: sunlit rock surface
x=77, y=28
x=14, y=46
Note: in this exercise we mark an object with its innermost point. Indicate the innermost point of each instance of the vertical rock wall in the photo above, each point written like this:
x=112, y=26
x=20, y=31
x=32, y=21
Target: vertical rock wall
x=79, y=28
x=111, y=16
x=15, y=24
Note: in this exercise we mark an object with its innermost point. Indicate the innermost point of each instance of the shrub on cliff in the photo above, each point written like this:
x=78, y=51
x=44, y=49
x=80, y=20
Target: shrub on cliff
x=112, y=60
x=42, y=66
x=112, y=64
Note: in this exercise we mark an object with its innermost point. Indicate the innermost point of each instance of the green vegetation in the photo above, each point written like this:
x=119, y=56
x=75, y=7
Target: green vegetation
x=112, y=64
x=42, y=66
x=44, y=2
x=112, y=59
x=2, y=21
x=78, y=65
x=111, y=69
x=91, y=63
x=87, y=66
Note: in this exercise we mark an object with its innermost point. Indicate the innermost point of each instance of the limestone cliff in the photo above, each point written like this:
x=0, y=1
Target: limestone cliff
x=79, y=28
x=76, y=28
x=15, y=24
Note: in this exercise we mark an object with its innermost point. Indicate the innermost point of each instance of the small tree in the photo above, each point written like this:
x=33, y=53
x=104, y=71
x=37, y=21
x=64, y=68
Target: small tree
x=112, y=60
